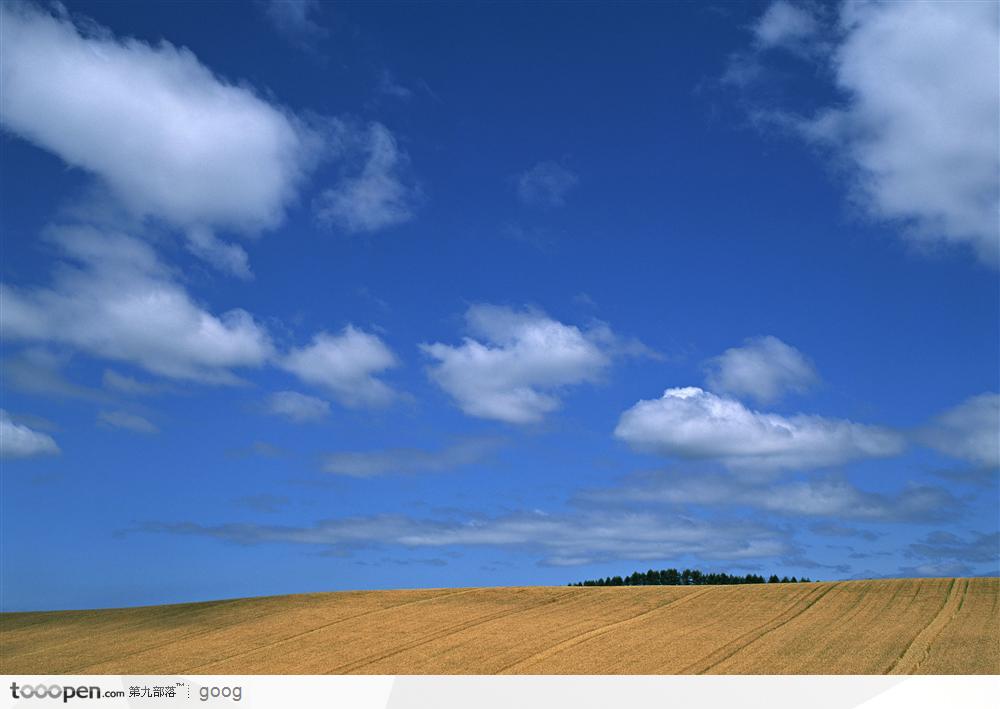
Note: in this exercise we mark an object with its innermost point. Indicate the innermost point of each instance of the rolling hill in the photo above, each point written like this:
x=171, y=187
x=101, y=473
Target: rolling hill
x=923, y=626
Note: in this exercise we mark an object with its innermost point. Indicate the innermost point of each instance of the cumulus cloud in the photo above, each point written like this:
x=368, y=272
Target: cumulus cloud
x=546, y=184
x=691, y=423
x=297, y=407
x=765, y=368
x=365, y=464
x=561, y=540
x=169, y=137
x=346, y=366
x=917, y=125
x=515, y=362
x=19, y=441
x=172, y=140
x=376, y=198
x=969, y=431
x=126, y=421
x=112, y=297
x=785, y=25
x=833, y=498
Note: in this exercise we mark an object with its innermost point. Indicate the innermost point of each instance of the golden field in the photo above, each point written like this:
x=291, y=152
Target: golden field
x=925, y=626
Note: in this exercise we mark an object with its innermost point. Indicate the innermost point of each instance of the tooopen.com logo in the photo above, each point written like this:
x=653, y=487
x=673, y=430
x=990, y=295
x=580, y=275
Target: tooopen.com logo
x=56, y=691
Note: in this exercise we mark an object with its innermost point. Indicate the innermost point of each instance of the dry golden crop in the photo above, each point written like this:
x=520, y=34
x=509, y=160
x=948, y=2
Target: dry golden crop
x=926, y=626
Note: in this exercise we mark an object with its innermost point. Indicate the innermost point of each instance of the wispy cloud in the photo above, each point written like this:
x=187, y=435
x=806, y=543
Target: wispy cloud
x=835, y=529
x=364, y=464
x=389, y=86
x=297, y=407
x=264, y=502
x=258, y=449
x=127, y=421
x=546, y=184
x=946, y=545
x=295, y=20
x=969, y=431
x=376, y=198
x=946, y=554
x=560, y=540
x=130, y=386
x=831, y=497
x=39, y=370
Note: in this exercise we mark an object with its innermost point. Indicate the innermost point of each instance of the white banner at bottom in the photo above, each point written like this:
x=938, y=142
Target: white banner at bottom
x=492, y=692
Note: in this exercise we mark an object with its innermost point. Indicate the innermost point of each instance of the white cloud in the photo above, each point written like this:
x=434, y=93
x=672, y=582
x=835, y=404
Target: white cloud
x=563, y=540
x=365, y=464
x=168, y=137
x=127, y=421
x=521, y=360
x=172, y=140
x=345, y=365
x=378, y=197
x=111, y=297
x=19, y=441
x=692, y=423
x=918, y=125
x=970, y=431
x=547, y=183
x=765, y=368
x=297, y=407
x=785, y=25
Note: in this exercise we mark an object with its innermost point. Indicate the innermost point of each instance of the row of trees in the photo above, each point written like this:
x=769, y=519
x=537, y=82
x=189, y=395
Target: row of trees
x=687, y=577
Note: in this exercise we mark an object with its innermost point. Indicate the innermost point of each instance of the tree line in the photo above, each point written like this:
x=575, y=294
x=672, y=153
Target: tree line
x=687, y=577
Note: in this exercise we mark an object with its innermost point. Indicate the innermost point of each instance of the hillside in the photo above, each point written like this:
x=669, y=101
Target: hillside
x=926, y=626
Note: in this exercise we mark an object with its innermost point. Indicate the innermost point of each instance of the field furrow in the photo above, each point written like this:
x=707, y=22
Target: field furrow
x=619, y=625
x=930, y=626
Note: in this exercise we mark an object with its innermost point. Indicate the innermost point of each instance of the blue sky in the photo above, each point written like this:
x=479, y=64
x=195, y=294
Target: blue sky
x=313, y=296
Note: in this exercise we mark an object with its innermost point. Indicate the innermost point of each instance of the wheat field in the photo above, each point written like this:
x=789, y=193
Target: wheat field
x=925, y=626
